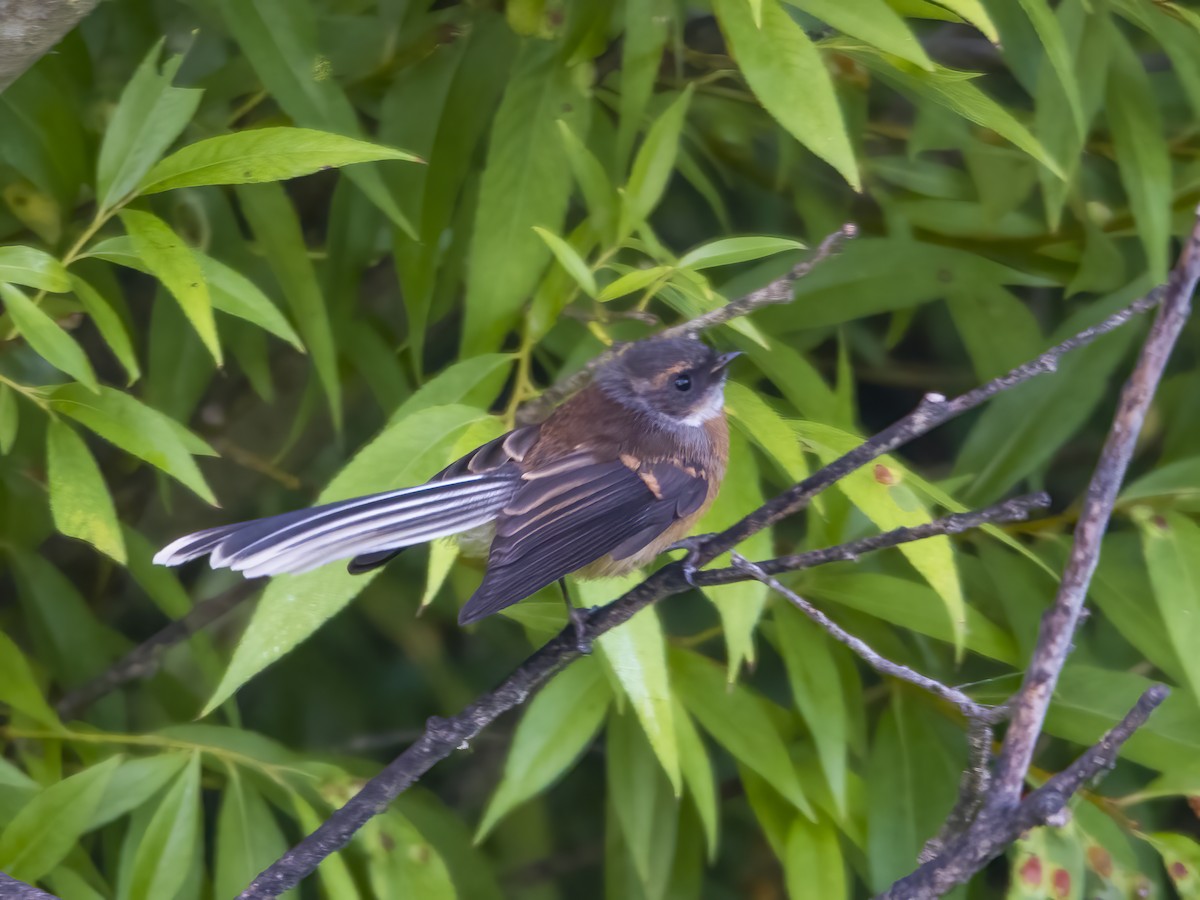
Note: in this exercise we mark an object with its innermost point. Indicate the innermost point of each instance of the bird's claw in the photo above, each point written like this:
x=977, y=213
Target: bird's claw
x=688, y=563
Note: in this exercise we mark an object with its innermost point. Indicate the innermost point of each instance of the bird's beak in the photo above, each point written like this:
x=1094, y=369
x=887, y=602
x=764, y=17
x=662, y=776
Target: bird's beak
x=725, y=359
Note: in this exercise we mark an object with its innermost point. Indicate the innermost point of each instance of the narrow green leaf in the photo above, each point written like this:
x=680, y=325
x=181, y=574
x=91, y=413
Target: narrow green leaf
x=162, y=860
x=636, y=655
x=248, y=838
x=149, y=116
x=261, y=154
x=1178, y=478
x=138, y=429
x=276, y=227
x=43, y=334
x=1181, y=858
x=647, y=25
x=237, y=295
x=403, y=863
x=817, y=689
x=813, y=867
x=1171, y=543
x=973, y=11
x=726, y=251
x=19, y=689
x=526, y=181
x=598, y=191
x=785, y=70
x=633, y=280
x=557, y=727
x=759, y=422
x=873, y=21
x=474, y=382
x=443, y=554
x=1054, y=42
x=1143, y=158
x=569, y=258
x=294, y=606
x=173, y=263
x=79, y=499
x=33, y=268
x=738, y=720
x=111, y=328
x=697, y=771
x=47, y=827
x=654, y=164
x=134, y=782
x=9, y=418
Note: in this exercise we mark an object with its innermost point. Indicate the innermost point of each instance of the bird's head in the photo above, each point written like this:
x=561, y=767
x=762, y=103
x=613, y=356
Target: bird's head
x=680, y=380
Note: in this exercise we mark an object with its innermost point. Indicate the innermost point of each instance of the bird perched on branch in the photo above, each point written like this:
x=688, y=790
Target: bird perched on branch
x=616, y=474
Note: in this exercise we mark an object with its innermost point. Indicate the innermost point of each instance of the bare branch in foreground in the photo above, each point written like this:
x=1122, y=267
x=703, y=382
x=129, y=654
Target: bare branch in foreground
x=30, y=30
x=142, y=661
x=778, y=291
x=1002, y=809
x=443, y=736
x=11, y=889
x=882, y=665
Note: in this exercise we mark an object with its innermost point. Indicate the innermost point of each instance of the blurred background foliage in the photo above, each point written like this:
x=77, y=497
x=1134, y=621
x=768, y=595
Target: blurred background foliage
x=181, y=328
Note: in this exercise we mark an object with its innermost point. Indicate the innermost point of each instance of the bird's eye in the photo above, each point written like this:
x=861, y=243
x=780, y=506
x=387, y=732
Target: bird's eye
x=683, y=383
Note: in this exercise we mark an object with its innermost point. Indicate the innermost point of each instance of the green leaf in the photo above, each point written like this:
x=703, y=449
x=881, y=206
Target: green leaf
x=872, y=21
x=19, y=689
x=1181, y=858
x=173, y=263
x=633, y=280
x=276, y=227
x=162, y=860
x=79, y=499
x=738, y=720
x=134, y=782
x=817, y=689
x=43, y=334
x=912, y=778
x=646, y=811
x=33, y=268
x=403, y=862
x=569, y=258
x=973, y=11
x=294, y=606
x=149, y=116
x=9, y=418
x=138, y=429
x=279, y=39
x=654, y=164
x=1171, y=543
x=1180, y=478
x=726, y=251
x=557, y=727
x=526, y=182
x=248, y=838
x=1143, y=158
x=785, y=70
x=813, y=868
x=759, y=422
x=636, y=655
x=647, y=26
x=47, y=827
x=262, y=154
x=1058, y=54
x=998, y=329
x=697, y=772
x=460, y=382
x=237, y=295
x=593, y=181
x=109, y=324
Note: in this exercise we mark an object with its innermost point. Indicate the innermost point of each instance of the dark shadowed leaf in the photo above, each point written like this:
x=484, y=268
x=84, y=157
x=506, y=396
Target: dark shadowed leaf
x=9, y=418
x=248, y=837
x=18, y=687
x=1171, y=543
x=164, y=856
x=43, y=334
x=109, y=324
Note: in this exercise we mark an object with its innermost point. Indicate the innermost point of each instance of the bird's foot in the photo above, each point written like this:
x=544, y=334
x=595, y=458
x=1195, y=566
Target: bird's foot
x=692, y=546
x=579, y=620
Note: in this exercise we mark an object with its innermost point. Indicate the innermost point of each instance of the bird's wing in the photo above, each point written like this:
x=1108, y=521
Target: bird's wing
x=307, y=538
x=572, y=513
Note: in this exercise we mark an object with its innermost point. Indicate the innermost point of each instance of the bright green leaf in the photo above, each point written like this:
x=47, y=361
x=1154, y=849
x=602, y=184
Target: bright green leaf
x=134, y=782
x=788, y=76
x=872, y=21
x=460, y=382
x=557, y=726
x=654, y=164
x=813, y=867
x=973, y=11
x=162, y=860
x=33, y=268
x=247, y=836
x=261, y=154
x=726, y=251
x=633, y=280
x=109, y=324
x=593, y=181
x=569, y=258
x=79, y=499
x=43, y=334
x=1171, y=543
x=698, y=776
x=237, y=295
x=173, y=263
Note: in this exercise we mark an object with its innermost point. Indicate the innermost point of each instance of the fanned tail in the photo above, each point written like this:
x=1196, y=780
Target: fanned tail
x=304, y=539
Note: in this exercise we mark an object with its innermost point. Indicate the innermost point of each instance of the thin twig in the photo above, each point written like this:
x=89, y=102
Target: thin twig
x=781, y=290
x=972, y=788
x=143, y=660
x=881, y=664
x=443, y=736
x=11, y=889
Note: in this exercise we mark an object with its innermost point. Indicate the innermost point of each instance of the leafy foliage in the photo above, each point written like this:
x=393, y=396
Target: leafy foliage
x=291, y=250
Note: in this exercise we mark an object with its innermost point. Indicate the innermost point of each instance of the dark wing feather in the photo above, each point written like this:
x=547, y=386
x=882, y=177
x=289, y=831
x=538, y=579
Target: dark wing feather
x=573, y=515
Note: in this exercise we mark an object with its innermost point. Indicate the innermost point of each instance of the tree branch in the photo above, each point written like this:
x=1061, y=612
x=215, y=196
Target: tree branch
x=1002, y=814
x=443, y=736
x=11, y=889
x=30, y=28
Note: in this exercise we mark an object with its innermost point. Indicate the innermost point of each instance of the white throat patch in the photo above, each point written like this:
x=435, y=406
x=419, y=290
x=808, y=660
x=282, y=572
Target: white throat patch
x=710, y=410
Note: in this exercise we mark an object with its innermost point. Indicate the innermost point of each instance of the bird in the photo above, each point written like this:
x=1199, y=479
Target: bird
x=615, y=475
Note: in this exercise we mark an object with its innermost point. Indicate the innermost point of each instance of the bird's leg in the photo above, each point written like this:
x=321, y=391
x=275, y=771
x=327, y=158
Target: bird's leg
x=578, y=618
x=692, y=546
